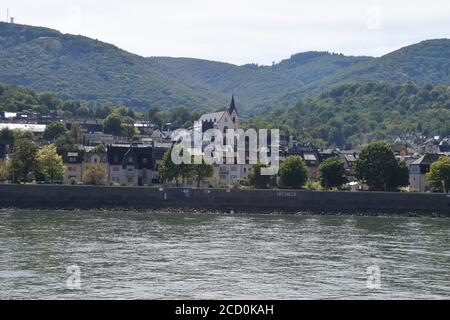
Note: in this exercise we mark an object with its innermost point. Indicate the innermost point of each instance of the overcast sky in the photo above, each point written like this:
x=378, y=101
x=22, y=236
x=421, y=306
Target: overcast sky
x=242, y=31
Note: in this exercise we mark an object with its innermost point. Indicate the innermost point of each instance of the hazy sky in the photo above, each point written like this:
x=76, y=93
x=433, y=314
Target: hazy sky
x=242, y=31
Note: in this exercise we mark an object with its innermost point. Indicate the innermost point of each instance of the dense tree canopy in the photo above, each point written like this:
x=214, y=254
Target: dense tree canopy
x=439, y=175
x=95, y=174
x=332, y=173
x=23, y=161
x=356, y=113
x=379, y=169
x=79, y=68
x=53, y=130
x=49, y=164
x=293, y=172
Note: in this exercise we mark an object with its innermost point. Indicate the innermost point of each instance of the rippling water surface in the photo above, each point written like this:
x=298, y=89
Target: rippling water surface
x=157, y=255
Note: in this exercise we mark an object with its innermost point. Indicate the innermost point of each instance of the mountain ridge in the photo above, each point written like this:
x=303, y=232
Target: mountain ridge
x=78, y=67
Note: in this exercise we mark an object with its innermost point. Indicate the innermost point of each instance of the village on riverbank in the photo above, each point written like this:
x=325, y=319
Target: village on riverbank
x=119, y=149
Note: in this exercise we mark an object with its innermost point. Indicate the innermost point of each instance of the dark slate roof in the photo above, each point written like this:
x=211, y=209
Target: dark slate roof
x=214, y=116
x=140, y=155
x=427, y=159
x=206, y=125
x=232, y=105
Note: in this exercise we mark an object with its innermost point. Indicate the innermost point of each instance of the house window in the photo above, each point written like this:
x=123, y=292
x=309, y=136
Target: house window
x=130, y=160
x=115, y=168
x=144, y=160
x=233, y=168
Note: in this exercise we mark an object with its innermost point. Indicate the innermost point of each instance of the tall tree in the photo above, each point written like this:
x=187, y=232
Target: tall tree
x=23, y=160
x=113, y=125
x=65, y=143
x=167, y=170
x=128, y=128
x=293, y=172
x=53, y=130
x=49, y=164
x=378, y=168
x=7, y=136
x=439, y=175
x=76, y=133
x=332, y=173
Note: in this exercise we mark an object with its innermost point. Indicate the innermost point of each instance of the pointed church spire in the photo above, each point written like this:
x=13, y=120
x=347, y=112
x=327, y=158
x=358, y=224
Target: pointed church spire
x=232, y=105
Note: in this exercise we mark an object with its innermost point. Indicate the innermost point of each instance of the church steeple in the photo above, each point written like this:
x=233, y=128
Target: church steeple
x=232, y=106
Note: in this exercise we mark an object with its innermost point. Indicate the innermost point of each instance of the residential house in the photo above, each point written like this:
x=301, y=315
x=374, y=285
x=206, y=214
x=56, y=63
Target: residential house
x=349, y=157
x=98, y=158
x=418, y=170
x=130, y=164
x=73, y=164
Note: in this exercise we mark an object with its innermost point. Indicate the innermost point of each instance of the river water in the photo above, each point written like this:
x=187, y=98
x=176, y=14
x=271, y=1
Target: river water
x=166, y=255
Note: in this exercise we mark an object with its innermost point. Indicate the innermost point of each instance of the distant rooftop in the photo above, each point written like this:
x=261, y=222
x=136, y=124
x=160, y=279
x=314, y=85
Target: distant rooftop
x=37, y=128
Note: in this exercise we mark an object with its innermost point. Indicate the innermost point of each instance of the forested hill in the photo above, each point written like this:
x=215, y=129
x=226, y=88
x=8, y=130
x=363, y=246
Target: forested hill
x=358, y=113
x=76, y=67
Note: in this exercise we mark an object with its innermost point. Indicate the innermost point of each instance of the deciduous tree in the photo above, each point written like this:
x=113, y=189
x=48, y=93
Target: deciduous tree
x=332, y=173
x=379, y=169
x=95, y=175
x=439, y=175
x=49, y=164
x=293, y=172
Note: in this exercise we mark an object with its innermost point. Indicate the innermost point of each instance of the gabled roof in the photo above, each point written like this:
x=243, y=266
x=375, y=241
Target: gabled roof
x=214, y=117
x=427, y=159
x=117, y=155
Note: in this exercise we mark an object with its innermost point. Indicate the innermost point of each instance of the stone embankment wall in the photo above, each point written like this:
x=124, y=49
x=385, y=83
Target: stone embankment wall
x=92, y=197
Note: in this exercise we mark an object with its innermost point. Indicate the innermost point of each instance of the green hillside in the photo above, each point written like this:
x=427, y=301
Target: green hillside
x=427, y=62
x=257, y=87
x=358, y=113
x=76, y=67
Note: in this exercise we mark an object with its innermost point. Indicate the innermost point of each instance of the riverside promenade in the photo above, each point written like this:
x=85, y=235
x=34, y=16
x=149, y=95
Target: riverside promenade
x=236, y=200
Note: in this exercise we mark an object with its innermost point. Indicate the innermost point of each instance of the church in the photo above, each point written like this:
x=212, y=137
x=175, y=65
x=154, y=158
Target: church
x=222, y=120
x=224, y=174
